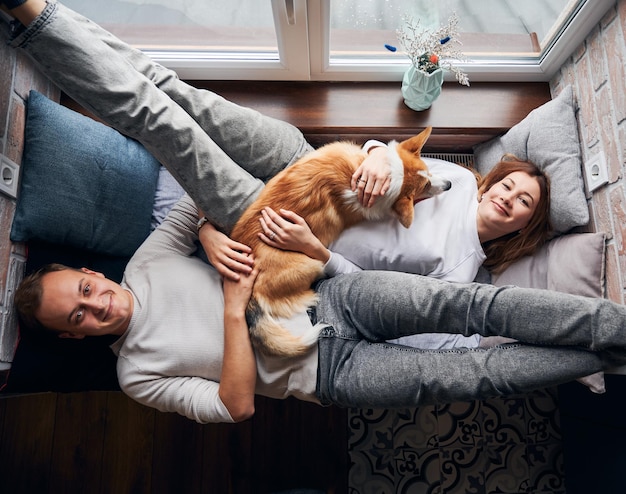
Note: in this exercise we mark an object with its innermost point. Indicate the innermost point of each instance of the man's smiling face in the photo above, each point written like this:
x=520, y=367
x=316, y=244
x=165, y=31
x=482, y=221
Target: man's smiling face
x=79, y=303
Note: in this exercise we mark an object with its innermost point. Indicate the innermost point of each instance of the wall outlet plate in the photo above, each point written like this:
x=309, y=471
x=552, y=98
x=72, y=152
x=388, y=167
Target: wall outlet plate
x=596, y=171
x=9, y=177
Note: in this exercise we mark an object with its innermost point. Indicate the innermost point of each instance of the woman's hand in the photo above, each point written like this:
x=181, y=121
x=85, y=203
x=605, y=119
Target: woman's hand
x=373, y=177
x=289, y=231
x=230, y=258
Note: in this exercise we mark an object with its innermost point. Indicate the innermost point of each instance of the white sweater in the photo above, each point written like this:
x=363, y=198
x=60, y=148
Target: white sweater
x=170, y=358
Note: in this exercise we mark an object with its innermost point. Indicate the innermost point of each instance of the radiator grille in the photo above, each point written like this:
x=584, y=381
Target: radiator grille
x=459, y=158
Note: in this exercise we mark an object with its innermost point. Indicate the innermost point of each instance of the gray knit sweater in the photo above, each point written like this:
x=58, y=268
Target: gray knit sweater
x=170, y=357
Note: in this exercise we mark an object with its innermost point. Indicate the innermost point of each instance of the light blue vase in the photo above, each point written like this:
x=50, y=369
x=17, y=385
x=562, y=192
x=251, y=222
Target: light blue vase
x=421, y=89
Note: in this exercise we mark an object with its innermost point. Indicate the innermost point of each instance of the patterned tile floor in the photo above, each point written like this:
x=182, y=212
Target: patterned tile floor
x=497, y=446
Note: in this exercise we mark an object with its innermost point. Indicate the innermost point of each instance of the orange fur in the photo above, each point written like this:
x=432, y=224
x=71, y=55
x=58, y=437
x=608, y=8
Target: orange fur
x=315, y=188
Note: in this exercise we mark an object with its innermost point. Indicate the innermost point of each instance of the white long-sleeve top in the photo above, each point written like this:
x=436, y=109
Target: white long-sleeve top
x=170, y=357
x=442, y=243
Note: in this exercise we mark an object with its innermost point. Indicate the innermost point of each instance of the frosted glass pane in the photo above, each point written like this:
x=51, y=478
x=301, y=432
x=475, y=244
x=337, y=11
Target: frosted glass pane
x=218, y=26
x=487, y=28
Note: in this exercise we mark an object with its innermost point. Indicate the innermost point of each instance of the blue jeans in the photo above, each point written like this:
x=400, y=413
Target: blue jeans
x=218, y=149
x=560, y=338
x=221, y=153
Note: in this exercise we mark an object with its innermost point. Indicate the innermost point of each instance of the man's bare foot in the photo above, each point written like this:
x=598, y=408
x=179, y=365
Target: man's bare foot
x=24, y=11
x=7, y=5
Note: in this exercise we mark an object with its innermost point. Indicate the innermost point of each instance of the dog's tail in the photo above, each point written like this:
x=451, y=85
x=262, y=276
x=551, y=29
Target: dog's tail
x=272, y=338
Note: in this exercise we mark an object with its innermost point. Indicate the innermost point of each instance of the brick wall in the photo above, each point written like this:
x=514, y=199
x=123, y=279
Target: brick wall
x=17, y=77
x=597, y=71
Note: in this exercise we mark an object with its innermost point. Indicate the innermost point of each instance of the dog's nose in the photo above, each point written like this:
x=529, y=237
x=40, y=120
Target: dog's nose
x=440, y=184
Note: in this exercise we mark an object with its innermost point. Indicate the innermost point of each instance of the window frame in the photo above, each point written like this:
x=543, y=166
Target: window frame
x=303, y=33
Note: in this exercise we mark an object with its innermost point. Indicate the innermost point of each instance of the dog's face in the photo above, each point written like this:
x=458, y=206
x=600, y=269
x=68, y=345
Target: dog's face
x=418, y=182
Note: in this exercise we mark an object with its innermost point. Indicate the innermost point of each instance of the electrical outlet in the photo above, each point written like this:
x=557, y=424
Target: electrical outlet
x=596, y=172
x=9, y=176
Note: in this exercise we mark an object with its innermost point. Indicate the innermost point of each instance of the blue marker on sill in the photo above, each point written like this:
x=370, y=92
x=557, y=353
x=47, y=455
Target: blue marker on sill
x=391, y=47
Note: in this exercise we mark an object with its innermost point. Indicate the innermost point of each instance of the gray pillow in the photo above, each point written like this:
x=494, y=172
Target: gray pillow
x=572, y=263
x=548, y=137
x=83, y=184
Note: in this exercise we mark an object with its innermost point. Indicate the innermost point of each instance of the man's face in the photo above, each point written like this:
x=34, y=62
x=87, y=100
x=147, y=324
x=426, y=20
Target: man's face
x=80, y=303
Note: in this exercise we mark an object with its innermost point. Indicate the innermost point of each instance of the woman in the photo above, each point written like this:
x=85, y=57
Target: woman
x=491, y=221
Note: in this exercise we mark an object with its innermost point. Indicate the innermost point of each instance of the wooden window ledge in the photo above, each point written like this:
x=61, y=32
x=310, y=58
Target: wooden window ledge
x=327, y=111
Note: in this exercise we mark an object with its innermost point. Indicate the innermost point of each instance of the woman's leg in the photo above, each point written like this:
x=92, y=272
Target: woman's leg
x=364, y=309
x=382, y=305
x=102, y=80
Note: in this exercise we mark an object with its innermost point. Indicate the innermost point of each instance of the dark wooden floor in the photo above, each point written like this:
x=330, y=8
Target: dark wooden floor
x=103, y=442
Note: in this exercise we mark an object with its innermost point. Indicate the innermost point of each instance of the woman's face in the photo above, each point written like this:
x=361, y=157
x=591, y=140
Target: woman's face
x=507, y=206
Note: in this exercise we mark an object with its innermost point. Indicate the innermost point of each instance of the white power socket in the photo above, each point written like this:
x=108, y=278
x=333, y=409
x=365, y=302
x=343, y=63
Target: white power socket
x=596, y=172
x=9, y=176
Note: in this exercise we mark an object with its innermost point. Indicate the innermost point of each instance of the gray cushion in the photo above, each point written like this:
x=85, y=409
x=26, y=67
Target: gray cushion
x=572, y=263
x=83, y=184
x=548, y=137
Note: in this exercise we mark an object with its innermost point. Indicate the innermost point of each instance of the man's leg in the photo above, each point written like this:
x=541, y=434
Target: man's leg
x=262, y=145
x=103, y=81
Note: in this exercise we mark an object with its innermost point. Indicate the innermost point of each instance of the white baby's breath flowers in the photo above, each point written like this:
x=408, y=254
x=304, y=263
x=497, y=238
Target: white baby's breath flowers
x=430, y=49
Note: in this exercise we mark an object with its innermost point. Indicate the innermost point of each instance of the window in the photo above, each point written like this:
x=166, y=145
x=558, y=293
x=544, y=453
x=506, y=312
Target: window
x=344, y=39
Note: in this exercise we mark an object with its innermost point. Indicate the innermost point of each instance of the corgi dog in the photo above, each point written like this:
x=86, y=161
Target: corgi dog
x=317, y=187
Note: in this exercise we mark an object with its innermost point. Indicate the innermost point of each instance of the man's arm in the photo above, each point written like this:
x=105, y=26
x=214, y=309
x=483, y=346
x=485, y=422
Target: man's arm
x=238, y=379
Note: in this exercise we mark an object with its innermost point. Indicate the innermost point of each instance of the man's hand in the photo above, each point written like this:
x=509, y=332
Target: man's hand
x=237, y=293
x=238, y=378
x=230, y=258
x=372, y=178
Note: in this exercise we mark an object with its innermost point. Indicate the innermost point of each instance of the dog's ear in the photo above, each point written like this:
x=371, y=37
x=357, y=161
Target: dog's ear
x=403, y=207
x=415, y=144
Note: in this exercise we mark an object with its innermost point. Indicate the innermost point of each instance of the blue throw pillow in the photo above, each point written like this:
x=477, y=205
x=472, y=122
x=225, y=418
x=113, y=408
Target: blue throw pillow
x=83, y=184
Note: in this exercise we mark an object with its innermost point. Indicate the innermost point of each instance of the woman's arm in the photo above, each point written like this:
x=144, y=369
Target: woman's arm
x=238, y=378
x=290, y=231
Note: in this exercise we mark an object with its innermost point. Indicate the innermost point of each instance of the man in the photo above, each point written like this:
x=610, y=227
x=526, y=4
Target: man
x=183, y=342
